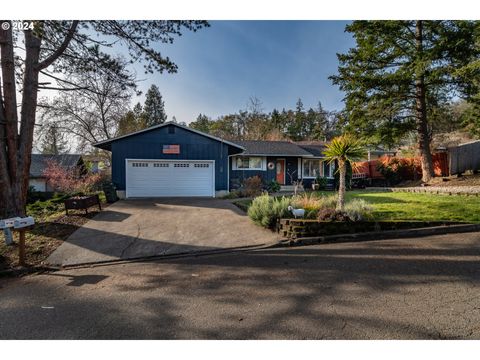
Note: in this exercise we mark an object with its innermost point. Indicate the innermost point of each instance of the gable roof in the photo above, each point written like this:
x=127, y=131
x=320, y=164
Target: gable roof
x=316, y=148
x=272, y=148
x=40, y=161
x=106, y=144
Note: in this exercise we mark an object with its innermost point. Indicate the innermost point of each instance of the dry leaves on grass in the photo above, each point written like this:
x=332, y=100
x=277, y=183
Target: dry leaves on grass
x=46, y=236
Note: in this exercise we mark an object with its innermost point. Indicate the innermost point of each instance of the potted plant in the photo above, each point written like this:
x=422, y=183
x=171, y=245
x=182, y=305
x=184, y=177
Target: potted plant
x=321, y=182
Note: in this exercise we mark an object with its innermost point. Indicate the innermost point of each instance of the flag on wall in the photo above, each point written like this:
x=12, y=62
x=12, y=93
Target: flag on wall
x=171, y=149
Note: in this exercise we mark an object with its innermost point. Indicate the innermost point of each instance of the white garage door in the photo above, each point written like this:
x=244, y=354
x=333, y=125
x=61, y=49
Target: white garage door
x=157, y=178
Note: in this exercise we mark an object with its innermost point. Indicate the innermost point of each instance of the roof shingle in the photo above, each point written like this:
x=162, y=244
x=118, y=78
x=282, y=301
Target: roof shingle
x=39, y=162
x=316, y=148
x=273, y=148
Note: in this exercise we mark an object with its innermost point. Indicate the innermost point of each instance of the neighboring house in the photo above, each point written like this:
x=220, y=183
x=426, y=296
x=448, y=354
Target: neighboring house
x=174, y=160
x=40, y=162
x=95, y=164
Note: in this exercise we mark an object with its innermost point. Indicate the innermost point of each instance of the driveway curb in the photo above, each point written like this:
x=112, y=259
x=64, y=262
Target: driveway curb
x=341, y=238
x=164, y=257
x=382, y=235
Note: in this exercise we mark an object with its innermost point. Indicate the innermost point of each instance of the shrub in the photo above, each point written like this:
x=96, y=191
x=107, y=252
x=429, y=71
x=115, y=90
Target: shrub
x=358, y=210
x=306, y=201
x=43, y=208
x=313, y=203
x=355, y=210
x=235, y=194
x=252, y=186
x=273, y=186
x=332, y=215
x=328, y=202
x=280, y=208
x=67, y=181
x=266, y=210
x=395, y=169
x=322, y=182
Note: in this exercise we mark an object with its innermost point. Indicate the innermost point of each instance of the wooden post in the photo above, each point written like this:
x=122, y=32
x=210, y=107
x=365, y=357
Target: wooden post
x=21, y=248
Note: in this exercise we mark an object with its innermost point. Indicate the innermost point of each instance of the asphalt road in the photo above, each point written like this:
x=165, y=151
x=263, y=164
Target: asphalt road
x=395, y=289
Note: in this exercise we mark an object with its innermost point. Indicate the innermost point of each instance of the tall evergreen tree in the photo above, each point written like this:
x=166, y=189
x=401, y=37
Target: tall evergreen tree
x=203, y=123
x=138, y=111
x=154, y=107
x=397, y=70
x=320, y=129
x=53, y=141
x=277, y=120
x=132, y=121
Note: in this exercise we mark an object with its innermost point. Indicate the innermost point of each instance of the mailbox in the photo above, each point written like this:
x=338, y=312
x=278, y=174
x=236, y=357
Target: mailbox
x=8, y=223
x=6, y=226
x=23, y=222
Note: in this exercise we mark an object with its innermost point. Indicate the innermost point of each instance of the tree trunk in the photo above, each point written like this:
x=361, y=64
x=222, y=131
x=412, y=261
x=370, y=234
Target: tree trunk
x=9, y=201
x=421, y=109
x=15, y=147
x=342, y=172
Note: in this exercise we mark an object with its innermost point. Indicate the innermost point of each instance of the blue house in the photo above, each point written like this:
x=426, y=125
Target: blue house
x=175, y=160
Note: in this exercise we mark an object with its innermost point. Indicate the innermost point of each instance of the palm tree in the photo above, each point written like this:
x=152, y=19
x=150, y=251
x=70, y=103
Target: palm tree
x=344, y=149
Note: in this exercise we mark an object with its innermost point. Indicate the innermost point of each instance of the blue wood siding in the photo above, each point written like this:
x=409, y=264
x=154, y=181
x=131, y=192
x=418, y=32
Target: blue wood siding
x=237, y=176
x=149, y=145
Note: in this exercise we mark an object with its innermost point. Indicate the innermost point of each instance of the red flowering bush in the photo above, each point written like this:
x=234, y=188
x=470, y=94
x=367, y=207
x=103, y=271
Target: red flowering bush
x=68, y=180
x=396, y=169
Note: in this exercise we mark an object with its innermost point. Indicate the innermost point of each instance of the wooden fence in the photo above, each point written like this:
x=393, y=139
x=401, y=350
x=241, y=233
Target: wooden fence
x=369, y=169
x=464, y=157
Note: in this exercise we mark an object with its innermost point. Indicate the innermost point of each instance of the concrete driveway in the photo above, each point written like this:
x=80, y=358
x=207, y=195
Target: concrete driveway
x=137, y=228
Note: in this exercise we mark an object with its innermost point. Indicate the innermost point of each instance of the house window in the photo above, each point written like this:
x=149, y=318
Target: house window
x=312, y=168
x=248, y=163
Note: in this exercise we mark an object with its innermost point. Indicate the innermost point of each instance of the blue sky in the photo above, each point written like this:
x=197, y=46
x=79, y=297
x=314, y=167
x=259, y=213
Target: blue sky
x=277, y=61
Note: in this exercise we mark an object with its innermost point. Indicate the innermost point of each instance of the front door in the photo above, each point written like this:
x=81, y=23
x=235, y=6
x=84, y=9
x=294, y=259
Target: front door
x=280, y=171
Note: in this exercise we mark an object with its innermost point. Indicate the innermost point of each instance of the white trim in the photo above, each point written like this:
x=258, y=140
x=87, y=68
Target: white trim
x=169, y=160
x=165, y=124
x=234, y=163
x=275, y=155
x=228, y=172
x=299, y=168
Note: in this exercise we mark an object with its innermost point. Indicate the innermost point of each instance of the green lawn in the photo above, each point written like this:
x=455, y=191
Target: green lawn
x=412, y=206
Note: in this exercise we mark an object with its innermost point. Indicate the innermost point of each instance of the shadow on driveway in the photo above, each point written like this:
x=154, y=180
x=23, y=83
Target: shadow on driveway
x=150, y=227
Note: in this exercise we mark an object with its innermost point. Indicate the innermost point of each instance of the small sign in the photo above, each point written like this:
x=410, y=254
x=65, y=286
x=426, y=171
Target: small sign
x=171, y=149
